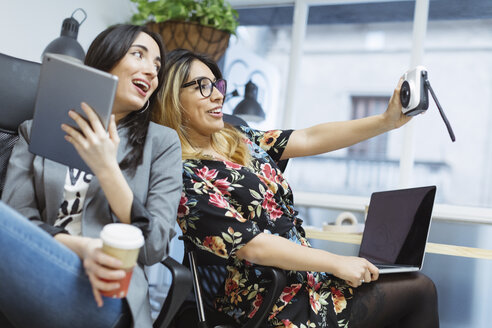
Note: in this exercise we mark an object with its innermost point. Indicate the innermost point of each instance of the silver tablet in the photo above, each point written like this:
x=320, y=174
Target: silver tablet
x=63, y=84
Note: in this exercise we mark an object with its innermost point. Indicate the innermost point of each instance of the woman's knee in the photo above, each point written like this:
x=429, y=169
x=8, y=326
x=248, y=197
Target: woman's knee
x=427, y=287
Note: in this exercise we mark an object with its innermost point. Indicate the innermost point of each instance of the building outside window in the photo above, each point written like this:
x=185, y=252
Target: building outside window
x=351, y=52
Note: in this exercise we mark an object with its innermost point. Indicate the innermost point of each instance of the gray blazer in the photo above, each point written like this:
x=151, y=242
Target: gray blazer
x=34, y=187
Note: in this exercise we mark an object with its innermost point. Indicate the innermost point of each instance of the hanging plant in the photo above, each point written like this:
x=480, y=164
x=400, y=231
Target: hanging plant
x=218, y=14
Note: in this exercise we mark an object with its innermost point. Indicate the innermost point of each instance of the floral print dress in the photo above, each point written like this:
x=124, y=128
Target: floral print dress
x=224, y=205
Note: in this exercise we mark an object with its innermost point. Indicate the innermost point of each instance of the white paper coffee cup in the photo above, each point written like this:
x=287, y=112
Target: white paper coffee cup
x=122, y=241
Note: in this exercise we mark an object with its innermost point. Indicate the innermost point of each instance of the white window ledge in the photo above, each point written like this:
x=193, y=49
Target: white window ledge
x=444, y=212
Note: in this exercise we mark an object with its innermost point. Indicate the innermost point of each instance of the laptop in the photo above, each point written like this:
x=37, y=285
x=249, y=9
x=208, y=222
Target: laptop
x=64, y=83
x=396, y=229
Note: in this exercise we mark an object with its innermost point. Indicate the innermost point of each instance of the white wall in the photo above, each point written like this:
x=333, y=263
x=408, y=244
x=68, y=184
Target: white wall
x=28, y=26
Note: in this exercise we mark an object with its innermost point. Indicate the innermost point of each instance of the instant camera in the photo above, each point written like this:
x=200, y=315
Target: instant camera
x=414, y=95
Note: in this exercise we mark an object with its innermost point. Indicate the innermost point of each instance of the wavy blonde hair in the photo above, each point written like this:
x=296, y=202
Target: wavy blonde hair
x=229, y=142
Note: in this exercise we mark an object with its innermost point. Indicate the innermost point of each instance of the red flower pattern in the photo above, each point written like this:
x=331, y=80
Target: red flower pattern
x=206, y=174
x=259, y=185
x=269, y=172
x=232, y=165
x=256, y=305
x=223, y=185
x=272, y=178
x=218, y=200
x=289, y=292
x=288, y=324
x=183, y=210
x=270, y=205
x=311, y=280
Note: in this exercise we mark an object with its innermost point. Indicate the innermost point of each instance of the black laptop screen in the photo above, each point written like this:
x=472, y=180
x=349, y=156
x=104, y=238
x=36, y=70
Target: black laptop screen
x=397, y=226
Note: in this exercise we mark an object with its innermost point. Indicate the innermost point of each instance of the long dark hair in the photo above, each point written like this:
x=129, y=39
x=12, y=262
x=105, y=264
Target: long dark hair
x=104, y=53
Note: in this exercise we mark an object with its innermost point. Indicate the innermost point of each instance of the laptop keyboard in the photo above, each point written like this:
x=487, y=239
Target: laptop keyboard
x=384, y=266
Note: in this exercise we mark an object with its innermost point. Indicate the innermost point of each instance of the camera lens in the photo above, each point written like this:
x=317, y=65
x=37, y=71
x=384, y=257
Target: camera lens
x=405, y=94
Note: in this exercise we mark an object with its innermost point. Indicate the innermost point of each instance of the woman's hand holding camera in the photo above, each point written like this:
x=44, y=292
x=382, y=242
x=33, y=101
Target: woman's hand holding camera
x=393, y=114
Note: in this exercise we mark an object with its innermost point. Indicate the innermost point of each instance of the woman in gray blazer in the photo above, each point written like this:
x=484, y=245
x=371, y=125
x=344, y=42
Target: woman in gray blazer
x=53, y=278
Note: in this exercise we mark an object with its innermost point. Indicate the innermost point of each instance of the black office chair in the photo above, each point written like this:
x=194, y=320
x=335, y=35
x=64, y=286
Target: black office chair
x=18, y=87
x=209, y=274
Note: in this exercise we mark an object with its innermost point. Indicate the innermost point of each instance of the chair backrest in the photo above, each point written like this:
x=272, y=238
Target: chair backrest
x=234, y=120
x=213, y=273
x=18, y=87
x=209, y=273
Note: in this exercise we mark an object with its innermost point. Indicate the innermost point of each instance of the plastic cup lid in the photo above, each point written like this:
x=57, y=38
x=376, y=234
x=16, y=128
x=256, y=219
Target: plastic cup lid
x=121, y=235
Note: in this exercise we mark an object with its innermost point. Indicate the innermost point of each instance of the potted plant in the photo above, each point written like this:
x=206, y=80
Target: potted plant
x=202, y=26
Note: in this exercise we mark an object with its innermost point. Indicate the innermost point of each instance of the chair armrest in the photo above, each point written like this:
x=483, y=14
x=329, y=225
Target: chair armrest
x=279, y=280
x=180, y=287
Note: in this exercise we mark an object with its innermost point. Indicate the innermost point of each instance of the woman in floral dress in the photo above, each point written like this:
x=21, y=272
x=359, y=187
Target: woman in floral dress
x=237, y=205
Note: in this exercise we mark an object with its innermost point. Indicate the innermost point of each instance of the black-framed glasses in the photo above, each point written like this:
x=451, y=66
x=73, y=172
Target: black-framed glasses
x=206, y=86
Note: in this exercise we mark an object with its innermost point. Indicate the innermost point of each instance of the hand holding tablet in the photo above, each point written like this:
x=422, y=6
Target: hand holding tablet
x=64, y=84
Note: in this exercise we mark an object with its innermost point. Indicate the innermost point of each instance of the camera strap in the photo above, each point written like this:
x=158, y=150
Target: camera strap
x=444, y=118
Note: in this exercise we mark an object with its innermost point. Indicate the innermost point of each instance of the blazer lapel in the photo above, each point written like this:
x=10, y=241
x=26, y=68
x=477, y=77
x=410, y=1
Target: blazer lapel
x=96, y=195
x=56, y=173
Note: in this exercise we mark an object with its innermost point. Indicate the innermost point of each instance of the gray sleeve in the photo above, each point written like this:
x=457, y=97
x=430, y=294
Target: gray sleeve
x=165, y=185
x=19, y=191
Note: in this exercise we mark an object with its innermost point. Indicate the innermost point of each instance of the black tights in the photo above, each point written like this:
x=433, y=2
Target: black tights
x=396, y=300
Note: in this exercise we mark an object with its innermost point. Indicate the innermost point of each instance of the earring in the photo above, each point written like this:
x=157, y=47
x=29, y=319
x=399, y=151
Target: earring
x=141, y=111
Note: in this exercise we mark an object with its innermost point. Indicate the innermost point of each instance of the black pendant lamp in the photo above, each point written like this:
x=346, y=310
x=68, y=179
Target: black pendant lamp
x=66, y=43
x=249, y=109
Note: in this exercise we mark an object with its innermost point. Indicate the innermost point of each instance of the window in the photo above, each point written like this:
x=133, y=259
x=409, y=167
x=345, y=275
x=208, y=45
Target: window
x=352, y=53
x=363, y=106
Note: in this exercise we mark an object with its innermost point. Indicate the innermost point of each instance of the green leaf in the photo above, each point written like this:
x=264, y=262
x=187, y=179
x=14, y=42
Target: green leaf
x=262, y=189
x=252, y=295
x=255, y=194
x=227, y=238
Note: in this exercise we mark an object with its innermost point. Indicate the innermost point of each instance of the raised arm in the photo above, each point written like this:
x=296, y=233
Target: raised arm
x=331, y=136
